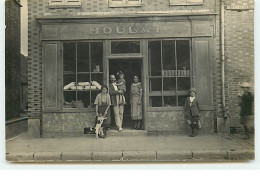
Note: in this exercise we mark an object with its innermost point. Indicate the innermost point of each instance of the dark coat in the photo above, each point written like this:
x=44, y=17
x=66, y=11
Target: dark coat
x=192, y=110
x=246, y=104
x=113, y=94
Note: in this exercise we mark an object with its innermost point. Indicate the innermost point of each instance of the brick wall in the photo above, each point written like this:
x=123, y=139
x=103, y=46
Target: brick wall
x=12, y=58
x=239, y=47
x=40, y=8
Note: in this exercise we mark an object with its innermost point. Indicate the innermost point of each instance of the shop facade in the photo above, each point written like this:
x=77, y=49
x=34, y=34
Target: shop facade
x=167, y=54
x=75, y=46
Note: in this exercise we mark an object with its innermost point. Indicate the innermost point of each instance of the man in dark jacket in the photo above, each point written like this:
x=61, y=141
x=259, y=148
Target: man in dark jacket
x=117, y=108
x=246, y=105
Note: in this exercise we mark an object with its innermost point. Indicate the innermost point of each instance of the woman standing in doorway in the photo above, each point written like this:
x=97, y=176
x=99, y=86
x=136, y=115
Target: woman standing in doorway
x=136, y=103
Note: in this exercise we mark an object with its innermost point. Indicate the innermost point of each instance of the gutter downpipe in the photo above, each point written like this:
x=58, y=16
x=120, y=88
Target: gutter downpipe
x=223, y=57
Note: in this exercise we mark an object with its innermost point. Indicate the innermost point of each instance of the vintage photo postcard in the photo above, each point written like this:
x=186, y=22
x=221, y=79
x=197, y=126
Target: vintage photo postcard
x=129, y=81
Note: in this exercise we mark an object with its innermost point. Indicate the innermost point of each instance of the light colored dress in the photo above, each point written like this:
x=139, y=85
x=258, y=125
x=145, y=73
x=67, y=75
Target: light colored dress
x=136, y=109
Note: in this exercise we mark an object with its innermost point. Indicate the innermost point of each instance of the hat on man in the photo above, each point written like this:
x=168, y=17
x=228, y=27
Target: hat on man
x=244, y=85
x=193, y=89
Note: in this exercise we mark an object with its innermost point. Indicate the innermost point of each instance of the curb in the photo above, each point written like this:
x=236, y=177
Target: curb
x=147, y=156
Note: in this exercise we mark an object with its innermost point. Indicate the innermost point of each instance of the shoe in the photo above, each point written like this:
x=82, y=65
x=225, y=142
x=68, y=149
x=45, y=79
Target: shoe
x=246, y=137
x=192, y=134
x=195, y=132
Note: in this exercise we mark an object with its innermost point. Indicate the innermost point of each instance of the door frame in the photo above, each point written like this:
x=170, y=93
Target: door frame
x=141, y=56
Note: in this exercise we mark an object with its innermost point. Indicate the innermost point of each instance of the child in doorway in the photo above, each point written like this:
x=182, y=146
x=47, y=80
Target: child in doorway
x=121, y=86
x=192, y=113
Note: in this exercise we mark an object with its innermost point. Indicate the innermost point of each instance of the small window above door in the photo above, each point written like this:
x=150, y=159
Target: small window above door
x=124, y=3
x=122, y=47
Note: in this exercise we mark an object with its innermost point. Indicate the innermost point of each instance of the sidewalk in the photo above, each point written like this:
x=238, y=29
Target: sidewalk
x=130, y=148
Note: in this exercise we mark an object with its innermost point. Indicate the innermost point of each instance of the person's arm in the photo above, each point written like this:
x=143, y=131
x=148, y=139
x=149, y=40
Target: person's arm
x=197, y=101
x=118, y=84
x=109, y=104
x=96, y=103
x=96, y=110
x=140, y=96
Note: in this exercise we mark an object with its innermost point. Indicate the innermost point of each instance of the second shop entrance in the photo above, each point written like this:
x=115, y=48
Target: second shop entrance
x=130, y=68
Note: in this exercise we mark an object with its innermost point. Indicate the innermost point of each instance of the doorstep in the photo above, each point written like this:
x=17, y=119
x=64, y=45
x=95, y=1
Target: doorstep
x=126, y=132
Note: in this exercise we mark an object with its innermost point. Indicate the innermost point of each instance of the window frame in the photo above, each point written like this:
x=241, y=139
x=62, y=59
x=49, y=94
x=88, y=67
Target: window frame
x=186, y=2
x=133, y=55
x=64, y=4
x=124, y=3
x=90, y=73
x=163, y=93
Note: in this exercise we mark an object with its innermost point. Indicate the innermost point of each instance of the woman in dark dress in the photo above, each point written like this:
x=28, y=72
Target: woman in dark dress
x=102, y=103
x=136, y=103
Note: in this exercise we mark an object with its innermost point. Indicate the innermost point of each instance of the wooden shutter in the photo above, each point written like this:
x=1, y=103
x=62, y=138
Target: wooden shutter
x=202, y=78
x=51, y=76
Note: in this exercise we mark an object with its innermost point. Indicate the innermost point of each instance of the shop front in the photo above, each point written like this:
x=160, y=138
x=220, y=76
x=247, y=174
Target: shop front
x=169, y=54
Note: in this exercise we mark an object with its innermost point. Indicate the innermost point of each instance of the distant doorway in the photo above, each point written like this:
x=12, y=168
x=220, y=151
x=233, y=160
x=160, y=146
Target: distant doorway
x=130, y=68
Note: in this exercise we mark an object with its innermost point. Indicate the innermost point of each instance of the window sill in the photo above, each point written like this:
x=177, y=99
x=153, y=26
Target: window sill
x=64, y=6
x=139, y=4
x=155, y=109
x=172, y=3
x=71, y=110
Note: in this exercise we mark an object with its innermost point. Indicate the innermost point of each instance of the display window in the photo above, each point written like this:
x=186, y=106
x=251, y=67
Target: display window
x=169, y=72
x=82, y=73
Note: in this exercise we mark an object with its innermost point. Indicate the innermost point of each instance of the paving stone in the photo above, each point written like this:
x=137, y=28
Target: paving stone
x=241, y=155
x=174, y=155
x=210, y=154
x=20, y=157
x=53, y=156
x=139, y=155
x=107, y=156
x=79, y=156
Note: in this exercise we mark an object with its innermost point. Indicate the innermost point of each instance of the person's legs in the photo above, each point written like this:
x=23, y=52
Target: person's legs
x=246, y=131
x=121, y=116
x=117, y=117
x=139, y=124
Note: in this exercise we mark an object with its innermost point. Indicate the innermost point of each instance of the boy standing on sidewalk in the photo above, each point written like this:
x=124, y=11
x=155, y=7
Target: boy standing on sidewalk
x=192, y=113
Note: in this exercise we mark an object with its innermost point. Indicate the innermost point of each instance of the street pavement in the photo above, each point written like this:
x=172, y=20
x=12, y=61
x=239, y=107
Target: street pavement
x=121, y=147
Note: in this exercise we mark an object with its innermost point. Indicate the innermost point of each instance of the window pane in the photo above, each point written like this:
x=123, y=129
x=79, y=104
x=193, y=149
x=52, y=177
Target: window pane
x=83, y=57
x=69, y=80
x=169, y=101
x=125, y=47
x=155, y=84
x=169, y=84
x=183, y=83
x=155, y=58
x=69, y=57
x=83, y=99
x=183, y=55
x=93, y=97
x=98, y=77
x=181, y=100
x=83, y=78
x=68, y=97
x=96, y=56
x=156, y=101
x=168, y=55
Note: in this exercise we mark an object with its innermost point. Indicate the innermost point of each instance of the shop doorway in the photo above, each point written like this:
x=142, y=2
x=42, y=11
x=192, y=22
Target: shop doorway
x=130, y=68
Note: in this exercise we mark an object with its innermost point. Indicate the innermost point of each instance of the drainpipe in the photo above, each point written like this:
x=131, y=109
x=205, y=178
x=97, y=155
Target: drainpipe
x=223, y=57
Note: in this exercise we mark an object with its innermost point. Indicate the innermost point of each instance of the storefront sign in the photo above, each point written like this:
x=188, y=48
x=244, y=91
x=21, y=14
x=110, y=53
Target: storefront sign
x=106, y=30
